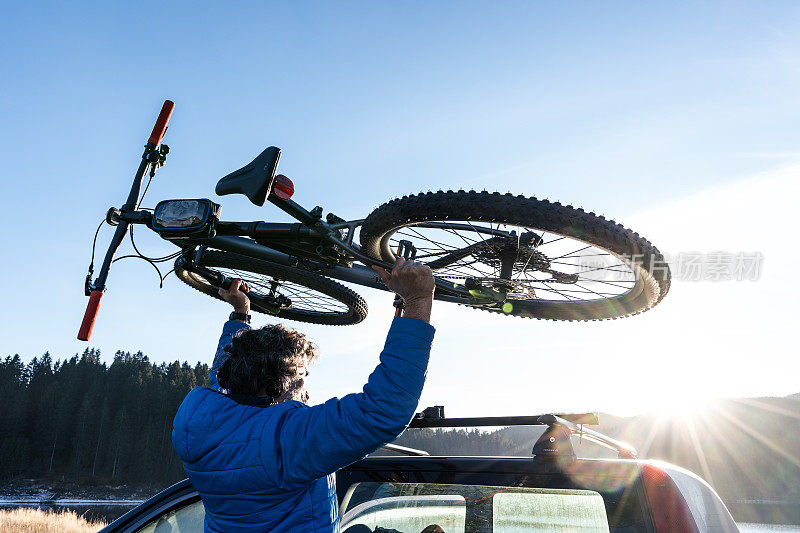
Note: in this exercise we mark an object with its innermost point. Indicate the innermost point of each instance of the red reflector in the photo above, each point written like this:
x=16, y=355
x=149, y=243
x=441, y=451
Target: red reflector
x=670, y=512
x=283, y=187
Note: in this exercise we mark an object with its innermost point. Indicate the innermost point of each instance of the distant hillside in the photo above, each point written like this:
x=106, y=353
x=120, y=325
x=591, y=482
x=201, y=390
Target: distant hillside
x=747, y=448
x=82, y=420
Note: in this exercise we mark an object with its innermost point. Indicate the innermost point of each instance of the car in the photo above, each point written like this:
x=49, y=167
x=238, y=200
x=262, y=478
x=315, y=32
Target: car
x=551, y=491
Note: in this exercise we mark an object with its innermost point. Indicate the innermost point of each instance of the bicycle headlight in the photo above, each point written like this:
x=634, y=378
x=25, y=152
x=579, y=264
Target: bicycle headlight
x=193, y=218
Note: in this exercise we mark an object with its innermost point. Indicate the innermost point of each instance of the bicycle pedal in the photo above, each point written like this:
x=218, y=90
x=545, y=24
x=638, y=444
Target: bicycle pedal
x=406, y=250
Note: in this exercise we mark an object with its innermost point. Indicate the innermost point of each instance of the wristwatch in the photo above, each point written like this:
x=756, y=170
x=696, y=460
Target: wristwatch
x=241, y=317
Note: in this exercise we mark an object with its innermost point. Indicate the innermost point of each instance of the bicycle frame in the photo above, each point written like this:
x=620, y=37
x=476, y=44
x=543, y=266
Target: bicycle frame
x=358, y=274
x=230, y=238
x=324, y=247
x=245, y=238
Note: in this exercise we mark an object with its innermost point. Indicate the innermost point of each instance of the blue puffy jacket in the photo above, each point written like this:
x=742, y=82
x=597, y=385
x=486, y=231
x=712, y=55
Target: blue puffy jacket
x=271, y=468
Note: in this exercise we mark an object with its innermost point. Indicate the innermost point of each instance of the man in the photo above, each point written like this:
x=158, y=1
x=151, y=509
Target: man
x=260, y=458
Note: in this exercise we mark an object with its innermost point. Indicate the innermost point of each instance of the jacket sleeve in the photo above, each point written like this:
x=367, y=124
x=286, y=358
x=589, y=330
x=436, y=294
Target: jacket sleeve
x=307, y=443
x=230, y=329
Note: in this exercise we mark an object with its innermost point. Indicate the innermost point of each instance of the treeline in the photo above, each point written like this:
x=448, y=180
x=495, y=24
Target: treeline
x=456, y=442
x=85, y=420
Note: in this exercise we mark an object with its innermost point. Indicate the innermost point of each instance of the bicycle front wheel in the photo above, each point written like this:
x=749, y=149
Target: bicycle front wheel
x=550, y=261
x=312, y=298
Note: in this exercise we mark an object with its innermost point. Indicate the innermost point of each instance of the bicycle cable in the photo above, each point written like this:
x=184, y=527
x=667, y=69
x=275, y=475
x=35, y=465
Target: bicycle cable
x=134, y=256
x=149, y=181
x=138, y=254
x=94, y=243
x=153, y=259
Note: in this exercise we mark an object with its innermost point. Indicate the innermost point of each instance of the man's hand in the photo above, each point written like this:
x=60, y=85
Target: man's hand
x=236, y=297
x=414, y=283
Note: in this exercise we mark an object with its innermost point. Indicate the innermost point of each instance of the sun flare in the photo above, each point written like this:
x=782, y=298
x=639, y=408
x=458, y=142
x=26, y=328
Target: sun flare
x=686, y=406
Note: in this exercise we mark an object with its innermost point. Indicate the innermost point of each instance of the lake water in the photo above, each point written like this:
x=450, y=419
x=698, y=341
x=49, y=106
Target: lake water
x=767, y=528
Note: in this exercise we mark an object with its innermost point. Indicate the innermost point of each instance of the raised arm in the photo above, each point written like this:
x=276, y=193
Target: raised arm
x=231, y=328
x=241, y=304
x=311, y=442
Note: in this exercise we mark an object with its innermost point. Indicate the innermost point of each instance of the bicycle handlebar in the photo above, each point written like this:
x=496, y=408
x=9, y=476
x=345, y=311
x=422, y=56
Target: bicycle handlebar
x=161, y=123
x=99, y=286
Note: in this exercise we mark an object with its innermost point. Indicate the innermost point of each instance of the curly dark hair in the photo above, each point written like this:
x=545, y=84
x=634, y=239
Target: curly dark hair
x=264, y=360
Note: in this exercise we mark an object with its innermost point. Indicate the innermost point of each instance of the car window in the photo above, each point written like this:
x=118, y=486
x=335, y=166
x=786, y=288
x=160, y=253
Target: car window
x=549, y=510
x=187, y=519
x=408, y=513
x=454, y=508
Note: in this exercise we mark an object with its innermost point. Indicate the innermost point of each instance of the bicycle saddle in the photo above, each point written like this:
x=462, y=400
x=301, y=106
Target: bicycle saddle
x=255, y=179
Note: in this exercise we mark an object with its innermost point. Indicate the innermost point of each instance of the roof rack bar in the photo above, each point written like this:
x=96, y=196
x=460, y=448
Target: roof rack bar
x=433, y=417
x=489, y=421
x=404, y=450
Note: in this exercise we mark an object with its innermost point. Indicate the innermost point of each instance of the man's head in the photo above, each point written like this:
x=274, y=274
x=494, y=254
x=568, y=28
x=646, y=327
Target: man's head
x=270, y=361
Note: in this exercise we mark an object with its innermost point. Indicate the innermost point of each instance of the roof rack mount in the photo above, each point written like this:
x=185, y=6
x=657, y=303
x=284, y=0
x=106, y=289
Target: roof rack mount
x=433, y=417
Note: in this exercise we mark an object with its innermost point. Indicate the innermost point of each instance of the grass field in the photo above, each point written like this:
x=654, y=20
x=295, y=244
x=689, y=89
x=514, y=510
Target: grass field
x=24, y=520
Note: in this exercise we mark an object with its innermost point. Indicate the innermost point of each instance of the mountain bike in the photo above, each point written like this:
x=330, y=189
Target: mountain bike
x=500, y=253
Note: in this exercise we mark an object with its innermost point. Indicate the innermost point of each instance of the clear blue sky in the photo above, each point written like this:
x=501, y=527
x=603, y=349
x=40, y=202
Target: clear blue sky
x=625, y=108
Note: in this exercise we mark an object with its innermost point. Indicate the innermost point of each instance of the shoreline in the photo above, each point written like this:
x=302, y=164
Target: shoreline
x=116, y=499
x=47, y=491
x=68, y=502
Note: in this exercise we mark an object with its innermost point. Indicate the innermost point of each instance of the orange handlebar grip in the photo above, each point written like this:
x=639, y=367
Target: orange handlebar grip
x=161, y=122
x=88, y=317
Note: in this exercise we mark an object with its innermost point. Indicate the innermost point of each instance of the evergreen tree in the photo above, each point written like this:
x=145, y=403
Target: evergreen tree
x=85, y=420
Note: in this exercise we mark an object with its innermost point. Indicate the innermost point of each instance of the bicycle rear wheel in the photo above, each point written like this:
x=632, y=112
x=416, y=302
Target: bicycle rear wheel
x=314, y=298
x=550, y=261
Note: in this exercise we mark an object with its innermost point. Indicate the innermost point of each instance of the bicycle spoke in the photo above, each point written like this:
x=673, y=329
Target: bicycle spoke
x=477, y=248
x=440, y=245
x=609, y=268
x=549, y=289
x=304, y=299
x=609, y=283
x=454, y=232
x=569, y=254
x=590, y=290
x=550, y=242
